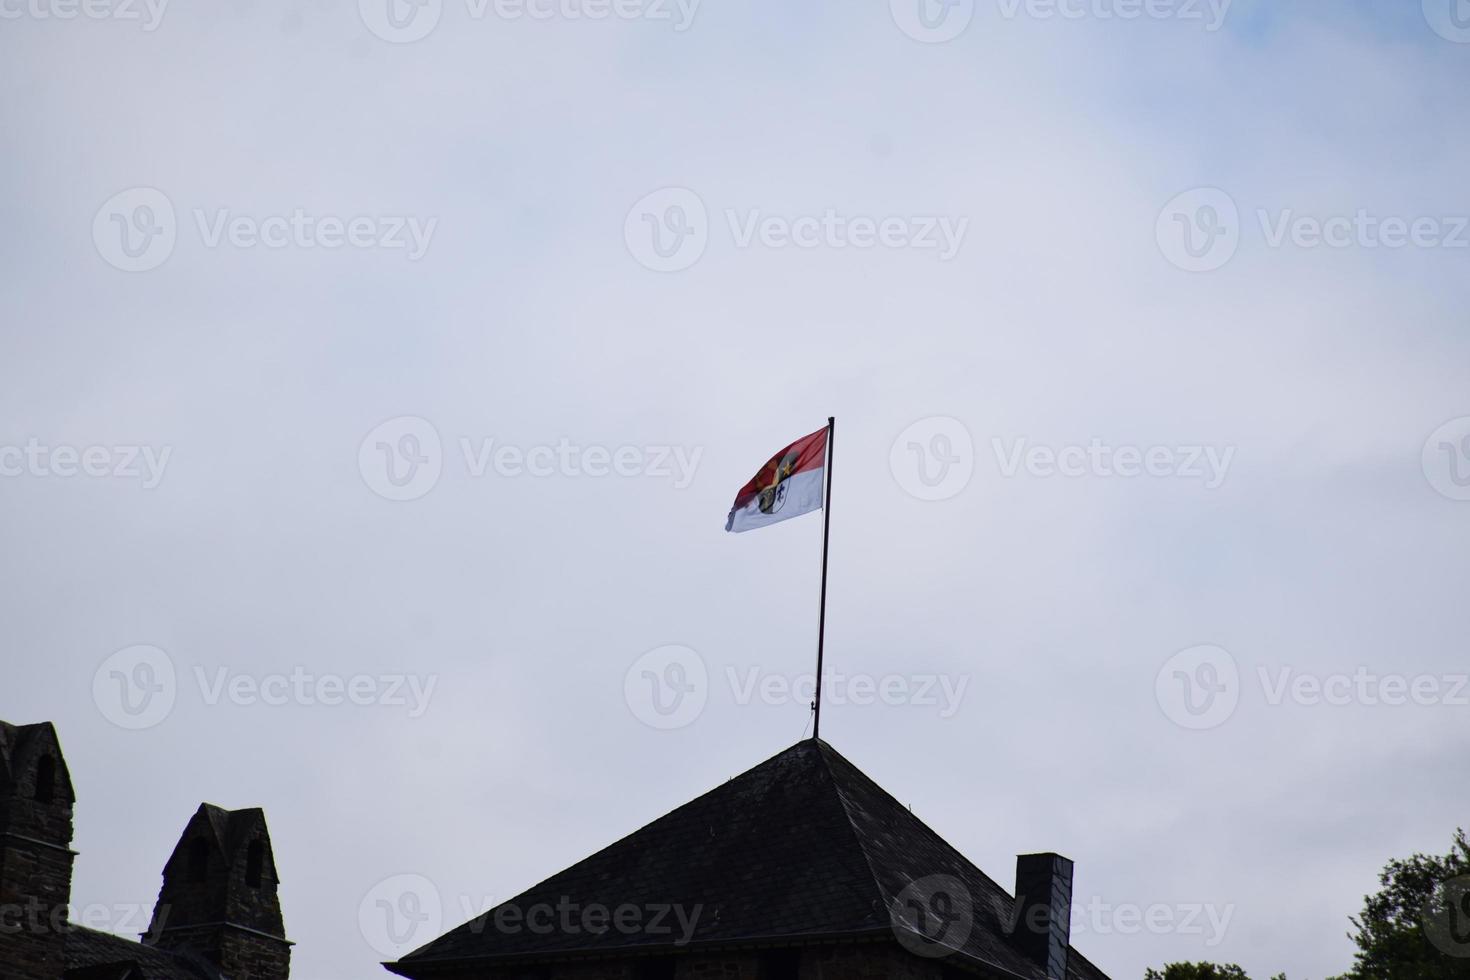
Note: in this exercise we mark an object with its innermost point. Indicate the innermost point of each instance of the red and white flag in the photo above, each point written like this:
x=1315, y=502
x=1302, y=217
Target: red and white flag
x=789, y=485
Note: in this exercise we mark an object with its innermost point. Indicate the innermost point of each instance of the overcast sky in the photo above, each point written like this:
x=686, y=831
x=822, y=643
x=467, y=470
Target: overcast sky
x=420, y=352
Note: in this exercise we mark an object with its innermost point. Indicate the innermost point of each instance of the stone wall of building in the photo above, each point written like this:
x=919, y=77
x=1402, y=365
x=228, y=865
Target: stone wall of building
x=35, y=857
x=35, y=886
x=854, y=961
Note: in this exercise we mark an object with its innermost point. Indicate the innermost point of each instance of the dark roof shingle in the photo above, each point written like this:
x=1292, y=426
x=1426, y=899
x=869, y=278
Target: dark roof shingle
x=93, y=954
x=802, y=846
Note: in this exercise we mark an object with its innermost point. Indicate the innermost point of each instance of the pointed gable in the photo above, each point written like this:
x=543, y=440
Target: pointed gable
x=21, y=750
x=225, y=832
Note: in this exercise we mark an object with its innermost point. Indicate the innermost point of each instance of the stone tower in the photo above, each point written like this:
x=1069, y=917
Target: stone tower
x=219, y=898
x=35, y=851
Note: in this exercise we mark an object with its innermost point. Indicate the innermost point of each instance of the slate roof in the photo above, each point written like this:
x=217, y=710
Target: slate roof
x=228, y=830
x=803, y=847
x=93, y=955
x=17, y=745
x=14, y=737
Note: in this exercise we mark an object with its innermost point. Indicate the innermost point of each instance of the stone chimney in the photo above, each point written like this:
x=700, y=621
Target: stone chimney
x=1044, y=911
x=219, y=898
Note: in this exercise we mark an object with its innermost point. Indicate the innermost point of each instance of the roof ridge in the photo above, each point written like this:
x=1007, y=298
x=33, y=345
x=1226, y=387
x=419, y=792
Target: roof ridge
x=905, y=808
x=962, y=864
x=217, y=818
x=822, y=752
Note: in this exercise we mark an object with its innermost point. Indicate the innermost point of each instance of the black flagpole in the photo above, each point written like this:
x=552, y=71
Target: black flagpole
x=822, y=617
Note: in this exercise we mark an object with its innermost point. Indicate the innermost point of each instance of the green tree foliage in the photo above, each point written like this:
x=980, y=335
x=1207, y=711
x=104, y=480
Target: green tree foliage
x=1197, y=971
x=1417, y=926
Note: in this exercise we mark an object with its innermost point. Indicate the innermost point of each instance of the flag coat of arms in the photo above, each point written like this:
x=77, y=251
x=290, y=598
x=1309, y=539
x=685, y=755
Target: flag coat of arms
x=788, y=485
